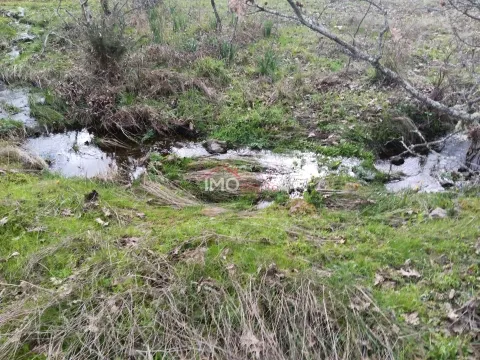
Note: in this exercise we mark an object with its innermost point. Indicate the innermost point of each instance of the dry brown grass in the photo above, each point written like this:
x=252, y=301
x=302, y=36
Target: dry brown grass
x=158, y=312
x=10, y=153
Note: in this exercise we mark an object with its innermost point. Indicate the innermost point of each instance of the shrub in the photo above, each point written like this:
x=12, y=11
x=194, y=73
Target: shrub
x=107, y=37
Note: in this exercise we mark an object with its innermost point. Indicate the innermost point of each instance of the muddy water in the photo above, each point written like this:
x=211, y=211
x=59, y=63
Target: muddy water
x=433, y=173
x=288, y=172
x=74, y=154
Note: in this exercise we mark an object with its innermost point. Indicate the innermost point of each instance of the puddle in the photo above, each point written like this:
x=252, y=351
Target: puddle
x=18, y=99
x=432, y=173
x=15, y=53
x=287, y=172
x=73, y=154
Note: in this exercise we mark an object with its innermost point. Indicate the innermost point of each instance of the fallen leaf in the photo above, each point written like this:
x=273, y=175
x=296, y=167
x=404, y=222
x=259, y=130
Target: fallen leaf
x=379, y=279
x=66, y=212
x=451, y=295
x=140, y=215
x=101, y=222
x=12, y=255
x=106, y=212
x=412, y=318
x=3, y=221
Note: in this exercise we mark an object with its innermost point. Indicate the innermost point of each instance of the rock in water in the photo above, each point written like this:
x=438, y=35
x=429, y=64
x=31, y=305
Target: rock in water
x=473, y=153
x=215, y=146
x=397, y=160
x=438, y=213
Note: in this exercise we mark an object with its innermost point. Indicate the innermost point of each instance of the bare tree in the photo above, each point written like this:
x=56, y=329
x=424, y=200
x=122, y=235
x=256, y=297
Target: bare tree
x=464, y=112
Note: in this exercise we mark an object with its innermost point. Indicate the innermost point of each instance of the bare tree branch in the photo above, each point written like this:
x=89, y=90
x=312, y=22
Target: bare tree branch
x=357, y=53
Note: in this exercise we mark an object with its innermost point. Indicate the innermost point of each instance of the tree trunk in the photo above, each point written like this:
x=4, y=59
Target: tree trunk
x=473, y=153
x=219, y=21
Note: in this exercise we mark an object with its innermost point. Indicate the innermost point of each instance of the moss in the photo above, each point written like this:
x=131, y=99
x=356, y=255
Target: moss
x=212, y=69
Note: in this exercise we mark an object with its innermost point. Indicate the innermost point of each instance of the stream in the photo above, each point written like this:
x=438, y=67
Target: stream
x=76, y=154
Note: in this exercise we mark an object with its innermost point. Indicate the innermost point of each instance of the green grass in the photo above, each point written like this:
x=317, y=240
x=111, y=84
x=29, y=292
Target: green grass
x=370, y=243
x=10, y=128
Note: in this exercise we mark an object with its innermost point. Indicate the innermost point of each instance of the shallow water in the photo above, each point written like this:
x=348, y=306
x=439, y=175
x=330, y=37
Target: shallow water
x=287, y=172
x=73, y=154
x=429, y=173
x=19, y=99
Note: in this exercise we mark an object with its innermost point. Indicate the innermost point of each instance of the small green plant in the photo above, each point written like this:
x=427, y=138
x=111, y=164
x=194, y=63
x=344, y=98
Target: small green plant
x=9, y=109
x=190, y=45
x=108, y=39
x=312, y=196
x=156, y=22
x=149, y=135
x=267, y=28
x=268, y=64
x=179, y=20
x=227, y=51
x=10, y=128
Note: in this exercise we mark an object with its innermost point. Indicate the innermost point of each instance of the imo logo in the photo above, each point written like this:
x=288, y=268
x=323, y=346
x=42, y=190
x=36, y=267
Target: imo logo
x=222, y=178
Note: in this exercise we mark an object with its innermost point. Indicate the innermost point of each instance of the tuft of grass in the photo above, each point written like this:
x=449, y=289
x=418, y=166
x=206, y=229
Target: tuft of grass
x=268, y=64
x=267, y=28
x=11, y=129
x=156, y=22
x=228, y=51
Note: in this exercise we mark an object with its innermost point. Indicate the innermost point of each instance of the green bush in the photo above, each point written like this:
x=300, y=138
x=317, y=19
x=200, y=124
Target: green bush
x=260, y=127
x=108, y=41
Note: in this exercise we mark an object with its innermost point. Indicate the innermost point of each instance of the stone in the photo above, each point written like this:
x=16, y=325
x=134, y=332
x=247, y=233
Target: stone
x=438, y=213
x=25, y=38
x=397, y=160
x=215, y=146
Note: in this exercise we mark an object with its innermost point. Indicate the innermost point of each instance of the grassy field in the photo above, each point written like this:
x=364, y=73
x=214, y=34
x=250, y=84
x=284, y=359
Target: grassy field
x=353, y=272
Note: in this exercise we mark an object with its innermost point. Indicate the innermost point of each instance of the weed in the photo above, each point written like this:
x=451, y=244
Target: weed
x=227, y=51
x=190, y=45
x=267, y=28
x=11, y=128
x=268, y=64
x=156, y=22
x=179, y=20
x=212, y=69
